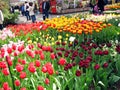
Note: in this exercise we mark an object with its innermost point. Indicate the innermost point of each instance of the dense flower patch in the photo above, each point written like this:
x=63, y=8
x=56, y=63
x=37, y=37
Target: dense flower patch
x=113, y=6
x=24, y=29
x=53, y=54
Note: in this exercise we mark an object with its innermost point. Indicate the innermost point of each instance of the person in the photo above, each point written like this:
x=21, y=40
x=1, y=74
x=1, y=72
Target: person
x=1, y=19
x=101, y=5
x=105, y=2
x=35, y=8
x=31, y=11
x=26, y=8
x=45, y=9
x=92, y=5
x=12, y=9
x=22, y=10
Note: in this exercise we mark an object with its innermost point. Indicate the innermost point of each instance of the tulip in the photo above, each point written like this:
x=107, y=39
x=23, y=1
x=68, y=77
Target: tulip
x=17, y=82
x=5, y=71
x=22, y=75
x=40, y=88
x=47, y=81
x=97, y=66
x=78, y=73
x=62, y=61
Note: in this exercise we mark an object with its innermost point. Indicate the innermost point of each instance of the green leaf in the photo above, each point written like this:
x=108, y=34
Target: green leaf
x=101, y=83
x=114, y=79
x=57, y=82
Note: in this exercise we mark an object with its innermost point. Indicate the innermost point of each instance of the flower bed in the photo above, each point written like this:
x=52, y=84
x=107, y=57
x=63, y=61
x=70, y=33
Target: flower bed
x=113, y=6
x=51, y=55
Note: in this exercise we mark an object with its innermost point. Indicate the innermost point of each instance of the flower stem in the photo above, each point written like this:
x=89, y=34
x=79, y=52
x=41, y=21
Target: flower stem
x=11, y=76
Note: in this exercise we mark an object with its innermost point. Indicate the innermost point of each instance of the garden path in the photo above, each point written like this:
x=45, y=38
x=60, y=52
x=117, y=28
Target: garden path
x=22, y=19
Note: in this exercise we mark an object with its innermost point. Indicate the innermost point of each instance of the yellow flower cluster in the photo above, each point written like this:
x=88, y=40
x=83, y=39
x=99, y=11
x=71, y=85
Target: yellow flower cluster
x=60, y=22
x=113, y=6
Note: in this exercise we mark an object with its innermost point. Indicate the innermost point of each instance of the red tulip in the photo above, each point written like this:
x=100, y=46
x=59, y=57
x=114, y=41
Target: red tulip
x=3, y=64
x=8, y=59
x=37, y=63
x=42, y=57
x=23, y=62
x=17, y=82
x=40, y=88
x=22, y=75
x=23, y=88
x=47, y=81
x=62, y=61
x=31, y=68
x=39, y=45
x=105, y=65
x=15, y=53
x=97, y=66
x=19, y=67
x=13, y=46
x=78, y=73
x=9, y=50
x=44, y=48
x=52, y=56
x=44, y=69
x=5, y=71
x=5, y=86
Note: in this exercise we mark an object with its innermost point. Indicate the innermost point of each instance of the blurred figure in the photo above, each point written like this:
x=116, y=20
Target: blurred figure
x=12, y=10
x=1, y=19
x=101, y=5
x=35, y=8
x=92, y=5
x=45, y=9
x=105, y=2
x=26, y=8
x=31, y=11
x=22, y=9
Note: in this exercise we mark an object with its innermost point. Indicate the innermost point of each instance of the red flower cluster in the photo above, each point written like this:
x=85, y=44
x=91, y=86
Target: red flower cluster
x=85, y=63
x=48, y=68
x=30, y=53
x=31, y=68
x=100, y=52
x=27, y=28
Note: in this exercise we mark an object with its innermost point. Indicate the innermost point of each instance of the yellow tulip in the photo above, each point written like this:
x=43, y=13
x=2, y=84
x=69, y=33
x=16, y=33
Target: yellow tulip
x=35, y=42
x=71, y=42
x=67, y=35
x=36, y=39
x=60, y=41
x=65, y=42
x=40, y=33
x=52, y=43
x=59, y=37
x=45, y=43
x=66, y=39
x=52, y=39
x=30, y=41
x=49, y=44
